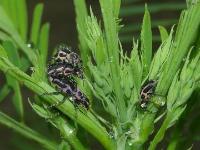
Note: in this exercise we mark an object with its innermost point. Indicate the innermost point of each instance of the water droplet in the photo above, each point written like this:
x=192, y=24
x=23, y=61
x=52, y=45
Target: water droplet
x=162, y=103
x=111, y=135
x=71, y=131
x=32, y=69
x=29, y=45
x=130, y=143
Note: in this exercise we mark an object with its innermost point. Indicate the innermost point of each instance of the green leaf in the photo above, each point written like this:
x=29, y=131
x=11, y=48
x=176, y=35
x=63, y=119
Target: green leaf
x=3, y=52
x=5, y=90
x=95, y=39
x=176, y=115
x=136, y=68
x=185, y=35
x=116, y=5
x=189, y=68
x=21, y=12
x=25, y=64
x=197, y=73
x=12, y=52
x=7, y=26
x=146, y=127
x=161, y=132
x=191, y=2
x=173, y=93
x=36, y=22
x=163, y=33
x=4, y=37
x=161, y=57
x=111, y=34
x=43, y=49
x=27, y=132
x=13, y=12
x=110, y=26
x=17, y=97
x=64, y=146
x=44, y=39
x=81, y=15
x=146, y=42
x=41, y=111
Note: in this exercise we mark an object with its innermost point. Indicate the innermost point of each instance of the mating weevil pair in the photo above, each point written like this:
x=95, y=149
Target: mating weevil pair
x=64, y=66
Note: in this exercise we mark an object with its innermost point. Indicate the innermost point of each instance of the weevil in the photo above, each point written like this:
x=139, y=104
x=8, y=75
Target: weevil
x=61, y=70
x=146, y=92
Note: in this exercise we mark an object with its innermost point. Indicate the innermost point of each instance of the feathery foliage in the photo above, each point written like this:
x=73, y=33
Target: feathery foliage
x=112, y=79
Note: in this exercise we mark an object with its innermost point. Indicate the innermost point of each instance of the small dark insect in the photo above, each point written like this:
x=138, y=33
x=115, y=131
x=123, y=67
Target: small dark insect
x=146, y=92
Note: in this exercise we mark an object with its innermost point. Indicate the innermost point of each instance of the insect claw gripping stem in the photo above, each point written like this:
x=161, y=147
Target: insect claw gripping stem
x=58, y=103
x=51, y=93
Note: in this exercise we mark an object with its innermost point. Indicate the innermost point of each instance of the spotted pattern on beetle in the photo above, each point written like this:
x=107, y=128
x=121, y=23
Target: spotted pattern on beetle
x=62, y=69
x=146, y=92
x=67, y=59
x=65, y=55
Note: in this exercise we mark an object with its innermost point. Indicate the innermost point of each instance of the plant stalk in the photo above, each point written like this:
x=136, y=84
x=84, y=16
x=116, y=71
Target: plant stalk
x=27, y=132
x=161, y=132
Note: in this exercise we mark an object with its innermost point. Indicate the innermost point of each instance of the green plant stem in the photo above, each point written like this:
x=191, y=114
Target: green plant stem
x=67, y=131
x=5, y=90
x=87, y=121
x=35, y=29
x=175, y=139
x=161, y=132
x=69, y=134
x=27, y=132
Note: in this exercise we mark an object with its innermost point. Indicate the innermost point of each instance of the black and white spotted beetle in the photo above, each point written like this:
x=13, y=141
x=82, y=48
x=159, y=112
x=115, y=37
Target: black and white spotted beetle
x=146, y=92
x=64, y=65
